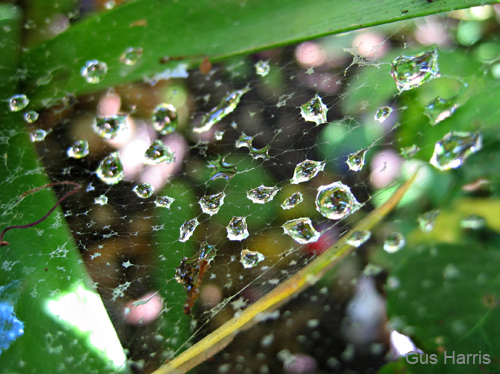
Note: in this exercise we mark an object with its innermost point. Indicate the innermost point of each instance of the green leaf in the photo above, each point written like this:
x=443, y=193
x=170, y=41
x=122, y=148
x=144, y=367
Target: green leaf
x=189, y=30
x=447, y=297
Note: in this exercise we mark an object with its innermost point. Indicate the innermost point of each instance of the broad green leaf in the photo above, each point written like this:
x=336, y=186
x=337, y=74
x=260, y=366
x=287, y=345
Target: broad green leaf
x=184, y=32
x=446, y=297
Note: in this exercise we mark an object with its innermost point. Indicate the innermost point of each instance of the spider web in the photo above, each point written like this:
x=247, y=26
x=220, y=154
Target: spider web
x=132, y=248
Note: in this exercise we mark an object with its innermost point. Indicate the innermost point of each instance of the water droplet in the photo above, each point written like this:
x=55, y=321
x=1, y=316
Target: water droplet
x=262, y=68
x=307, y=170
x=358, y=238
x=246, y=141
x=336, y=201
x=455, y=147
x=131, y=56
x=237, y=229
x=144, y=190
x=38, y=135
x=413, y=71
x=227, y=105
x=219, y=135
x=94, y=71
x=383, y=113
x=110, y=170
x=262, y=194
x=31, y=116
x=109, y=4
x=250, y=259
x=110, y=127
x=222, y=169
x=165, y=118
x=159, y=152
x=356, y=160
x=314, y=110
x=301, y=230
x=473, y=222
x=79, y=149
x=210, y=204
x=18, y=102
x=164, y=201
x=191, y=270
x=409, y=152
x=439, y=109
x=427, y=220
x=292, y=201
x=394, y=242
x=101, y=200
x=187, y=229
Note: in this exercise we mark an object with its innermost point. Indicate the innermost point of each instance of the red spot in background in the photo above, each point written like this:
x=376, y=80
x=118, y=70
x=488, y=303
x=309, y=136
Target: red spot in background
x=325, y=241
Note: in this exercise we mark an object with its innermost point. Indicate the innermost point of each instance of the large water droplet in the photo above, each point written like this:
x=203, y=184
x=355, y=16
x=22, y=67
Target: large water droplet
x=301, y=230
x=439, y=109
x=187, y=229
x=427, y=220
x=165, y=118
x=237, y=229
x=413, y=71
x=292, y=201
x=31, y=116
x=250, y=259
x=164, y=201
x=110, y=170
x=227, y=105
x=38, y=135
x=383, y=113
x=131, y=56
x=358, y=238
x=222, y=169
x=79, y=149
x=314, y=110
x=262, y=194
x=94, y=71
x=101, y=200
x=262, y=68
x=394, y=242
x=246, y=141
x=18, y=102
x=336, y=201
x=110, y=127
x=144, y=190
x=455, y=147
x=307, y=170
x=159, y=152
x=210, y=204
x=473, y=222
x=191, y=270
x=356, y=160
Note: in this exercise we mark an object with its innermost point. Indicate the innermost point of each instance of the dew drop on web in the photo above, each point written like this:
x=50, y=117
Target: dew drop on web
x=356, y=160
x=409, y=152
x=292, y=201
x=111, y=126
x=394, y=242
x=250, y=259
x=187, y=229
x=18, y=102
x=101, y=200
x=110, y=169
x=358, y=238
x=262, y=68
x=159, y=152
x=164, y=201
x=79, y=149
x=210, y=204
x=307, y=170
x=237, y=229
x=94, y=71
x=427, y=220
x=454, y=148
x=383, y=113
x=439, y=109
x=144, y=190
x=473, y=222
x=301, y=230
x=314, y=110
x=38, y=135
x=262, y=194
x=412, y=71
x=131, y=56
x=336, y=201
x=30, y=117
x=165, y=118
